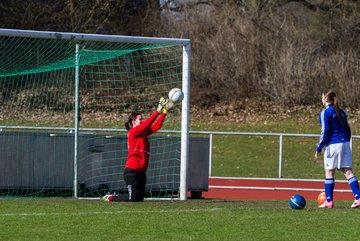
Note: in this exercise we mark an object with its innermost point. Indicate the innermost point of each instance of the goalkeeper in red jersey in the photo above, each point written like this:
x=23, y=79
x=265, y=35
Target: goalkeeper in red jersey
x=139, y=151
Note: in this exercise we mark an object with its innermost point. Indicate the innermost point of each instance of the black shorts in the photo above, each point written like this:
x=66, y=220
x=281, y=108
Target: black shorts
x=135, y=182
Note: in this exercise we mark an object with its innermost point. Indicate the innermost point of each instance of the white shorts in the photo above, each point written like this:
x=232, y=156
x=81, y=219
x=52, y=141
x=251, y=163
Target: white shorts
x=338, y=156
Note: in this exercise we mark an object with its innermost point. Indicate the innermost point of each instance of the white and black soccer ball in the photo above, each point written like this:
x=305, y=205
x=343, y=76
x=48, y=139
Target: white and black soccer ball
x=176, y=95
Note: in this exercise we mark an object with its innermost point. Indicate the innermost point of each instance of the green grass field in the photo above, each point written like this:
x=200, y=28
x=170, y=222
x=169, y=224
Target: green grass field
x=68, y=219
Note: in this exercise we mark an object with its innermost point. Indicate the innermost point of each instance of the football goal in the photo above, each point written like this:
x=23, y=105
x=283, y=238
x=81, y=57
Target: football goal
x=64, y=99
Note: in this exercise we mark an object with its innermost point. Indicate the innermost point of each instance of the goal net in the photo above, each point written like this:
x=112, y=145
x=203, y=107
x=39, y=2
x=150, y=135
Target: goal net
x=64, y=99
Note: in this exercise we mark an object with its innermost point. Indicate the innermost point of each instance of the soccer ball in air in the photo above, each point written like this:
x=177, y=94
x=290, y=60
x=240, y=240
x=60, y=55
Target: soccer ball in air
x=321, y=198
x=176, y=95
x=297, y=202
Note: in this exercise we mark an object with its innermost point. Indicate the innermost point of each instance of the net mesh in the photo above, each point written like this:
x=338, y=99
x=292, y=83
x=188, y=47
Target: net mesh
x=37, y=110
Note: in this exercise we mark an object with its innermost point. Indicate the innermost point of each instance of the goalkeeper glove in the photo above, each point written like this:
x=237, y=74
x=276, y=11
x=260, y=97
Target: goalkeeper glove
x=168, y=105
x=162, y=103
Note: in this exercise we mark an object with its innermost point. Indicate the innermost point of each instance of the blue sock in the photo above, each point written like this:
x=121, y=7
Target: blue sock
x=354, y=185
x=329, y=188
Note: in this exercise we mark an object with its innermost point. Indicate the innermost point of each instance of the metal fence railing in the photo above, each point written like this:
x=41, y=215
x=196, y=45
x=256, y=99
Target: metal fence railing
x=280, y=135
x=210, y=134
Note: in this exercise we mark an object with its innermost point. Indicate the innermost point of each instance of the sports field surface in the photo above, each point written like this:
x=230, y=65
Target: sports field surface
x=272, y=188
x=205, y=219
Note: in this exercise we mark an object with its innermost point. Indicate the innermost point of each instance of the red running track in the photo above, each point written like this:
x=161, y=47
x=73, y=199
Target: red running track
x=271, y=189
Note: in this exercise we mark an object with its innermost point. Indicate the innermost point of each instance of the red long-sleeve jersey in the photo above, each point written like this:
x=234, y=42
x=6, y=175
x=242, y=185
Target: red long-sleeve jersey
x=138, y=142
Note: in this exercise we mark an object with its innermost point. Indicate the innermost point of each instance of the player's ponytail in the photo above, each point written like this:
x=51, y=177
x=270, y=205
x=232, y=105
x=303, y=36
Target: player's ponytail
x=331, y=99
x=132, y=117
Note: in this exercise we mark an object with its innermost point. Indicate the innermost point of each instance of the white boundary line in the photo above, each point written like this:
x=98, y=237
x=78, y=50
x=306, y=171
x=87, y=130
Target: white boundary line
x=109, y=213
x=148, y=199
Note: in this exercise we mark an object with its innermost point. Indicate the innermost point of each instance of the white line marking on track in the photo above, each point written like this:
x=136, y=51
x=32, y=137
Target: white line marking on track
x=275, y=188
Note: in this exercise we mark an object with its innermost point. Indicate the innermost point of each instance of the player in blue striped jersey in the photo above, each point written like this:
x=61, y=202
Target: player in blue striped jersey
x=335, y=137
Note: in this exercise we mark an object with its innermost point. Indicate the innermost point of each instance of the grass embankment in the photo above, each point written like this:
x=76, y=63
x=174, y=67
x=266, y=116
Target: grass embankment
x=251, y=156
x=258, y=156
